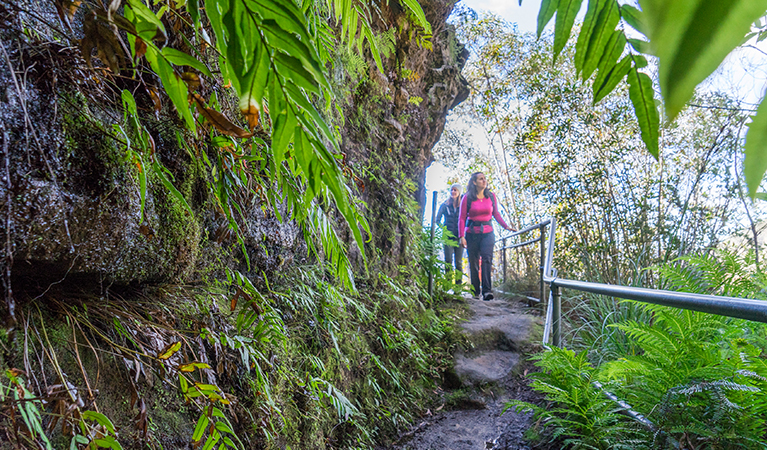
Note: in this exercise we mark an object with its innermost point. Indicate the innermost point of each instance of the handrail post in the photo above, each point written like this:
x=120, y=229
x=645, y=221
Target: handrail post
x=503, y=242
x=556, y=315
x=431, y=243
x=543, y=257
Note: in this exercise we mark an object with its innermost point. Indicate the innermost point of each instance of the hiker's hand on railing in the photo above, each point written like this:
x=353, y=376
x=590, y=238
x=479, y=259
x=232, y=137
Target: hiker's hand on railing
x=511, y=229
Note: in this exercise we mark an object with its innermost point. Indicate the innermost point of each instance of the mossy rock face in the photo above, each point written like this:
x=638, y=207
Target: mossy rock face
x=75, y=202
x=75, y=192
x=78, y=213
x=393, y=121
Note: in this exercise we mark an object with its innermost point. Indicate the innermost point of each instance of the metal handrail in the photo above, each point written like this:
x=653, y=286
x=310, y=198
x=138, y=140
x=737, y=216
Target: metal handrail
x=748, y=309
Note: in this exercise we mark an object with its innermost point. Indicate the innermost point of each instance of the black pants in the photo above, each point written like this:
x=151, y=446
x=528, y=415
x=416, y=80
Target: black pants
x=457, y=254
x=480, y=244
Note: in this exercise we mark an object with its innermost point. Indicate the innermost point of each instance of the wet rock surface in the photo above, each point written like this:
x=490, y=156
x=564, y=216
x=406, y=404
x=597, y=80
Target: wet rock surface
x=491, y=373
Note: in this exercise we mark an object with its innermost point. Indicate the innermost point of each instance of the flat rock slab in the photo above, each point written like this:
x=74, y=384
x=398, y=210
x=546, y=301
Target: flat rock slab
x=465, y=430
x=498, y=315
x=488, y=367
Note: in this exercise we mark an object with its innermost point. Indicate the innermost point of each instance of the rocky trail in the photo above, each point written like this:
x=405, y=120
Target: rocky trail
x=487, y=376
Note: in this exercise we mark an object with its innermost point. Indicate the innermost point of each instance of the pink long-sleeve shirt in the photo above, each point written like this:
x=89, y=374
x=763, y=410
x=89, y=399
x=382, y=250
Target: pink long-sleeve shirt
x=481, y=211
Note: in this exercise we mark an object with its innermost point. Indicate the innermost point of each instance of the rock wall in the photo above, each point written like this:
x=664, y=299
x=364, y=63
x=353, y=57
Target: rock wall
x=393, y=122
x=70, y=195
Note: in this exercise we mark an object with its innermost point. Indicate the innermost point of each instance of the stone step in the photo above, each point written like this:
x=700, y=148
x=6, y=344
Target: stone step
x=496, y=330
x=487, y=367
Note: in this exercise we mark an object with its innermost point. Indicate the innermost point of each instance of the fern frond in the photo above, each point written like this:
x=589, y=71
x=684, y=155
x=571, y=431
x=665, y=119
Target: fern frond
x=654, y=341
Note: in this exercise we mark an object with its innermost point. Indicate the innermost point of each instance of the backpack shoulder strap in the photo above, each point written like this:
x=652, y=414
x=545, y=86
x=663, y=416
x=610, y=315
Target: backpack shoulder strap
x=468, y=201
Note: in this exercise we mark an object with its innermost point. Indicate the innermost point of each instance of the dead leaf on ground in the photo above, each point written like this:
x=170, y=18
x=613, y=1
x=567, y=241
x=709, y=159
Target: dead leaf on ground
x=252, y=114
x=233, y=302
x=140, y=420
x=155, y=96
x=219, y=121
x=146, y=230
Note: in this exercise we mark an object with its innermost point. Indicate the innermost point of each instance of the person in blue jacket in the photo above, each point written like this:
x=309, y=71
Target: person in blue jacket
x=449, y=211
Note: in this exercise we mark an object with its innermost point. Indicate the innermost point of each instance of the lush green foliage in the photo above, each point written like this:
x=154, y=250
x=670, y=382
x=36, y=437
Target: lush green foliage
x=555, y=153
x=305, y=364
x=689, y=39
x=275, y=56
x=580, y=414
x=700, y=379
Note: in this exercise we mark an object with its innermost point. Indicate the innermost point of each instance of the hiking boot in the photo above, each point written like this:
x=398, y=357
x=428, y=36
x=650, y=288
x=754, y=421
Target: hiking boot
x=488, y=296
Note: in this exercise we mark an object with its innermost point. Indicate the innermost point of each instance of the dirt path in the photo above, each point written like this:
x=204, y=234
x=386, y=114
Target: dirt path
x=489, y=375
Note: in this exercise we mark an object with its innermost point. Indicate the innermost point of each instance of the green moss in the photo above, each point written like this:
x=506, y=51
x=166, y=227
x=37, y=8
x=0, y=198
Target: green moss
x=90, y=158
x=177, y=230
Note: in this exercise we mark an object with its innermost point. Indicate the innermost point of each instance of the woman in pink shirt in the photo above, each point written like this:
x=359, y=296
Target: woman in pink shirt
x=475, y=229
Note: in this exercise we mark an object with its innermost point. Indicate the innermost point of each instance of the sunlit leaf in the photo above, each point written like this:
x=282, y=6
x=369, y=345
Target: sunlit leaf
x=290, y=44
x=148, y=26
x=294, y=70
x=566, y=12
x=211, y=441
x=99, y=418
x=640, y=45
x=415, y=8
x=108, y=442
x=169, y=350
x=173, y=84
x=368, y=33
x=612, y=50
x=633, y=17
x=548, y=8
x=199, y=430
x=604, y=34
x=691, y=39
x=223, y=427
x=191, y=367
x=587, y=28
x=193, y=7
x=643, y=98
x=290, y=18
x=180, y=58
x=605, y=81
x=301, y=100
x=284, y=127
x=755, y=164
